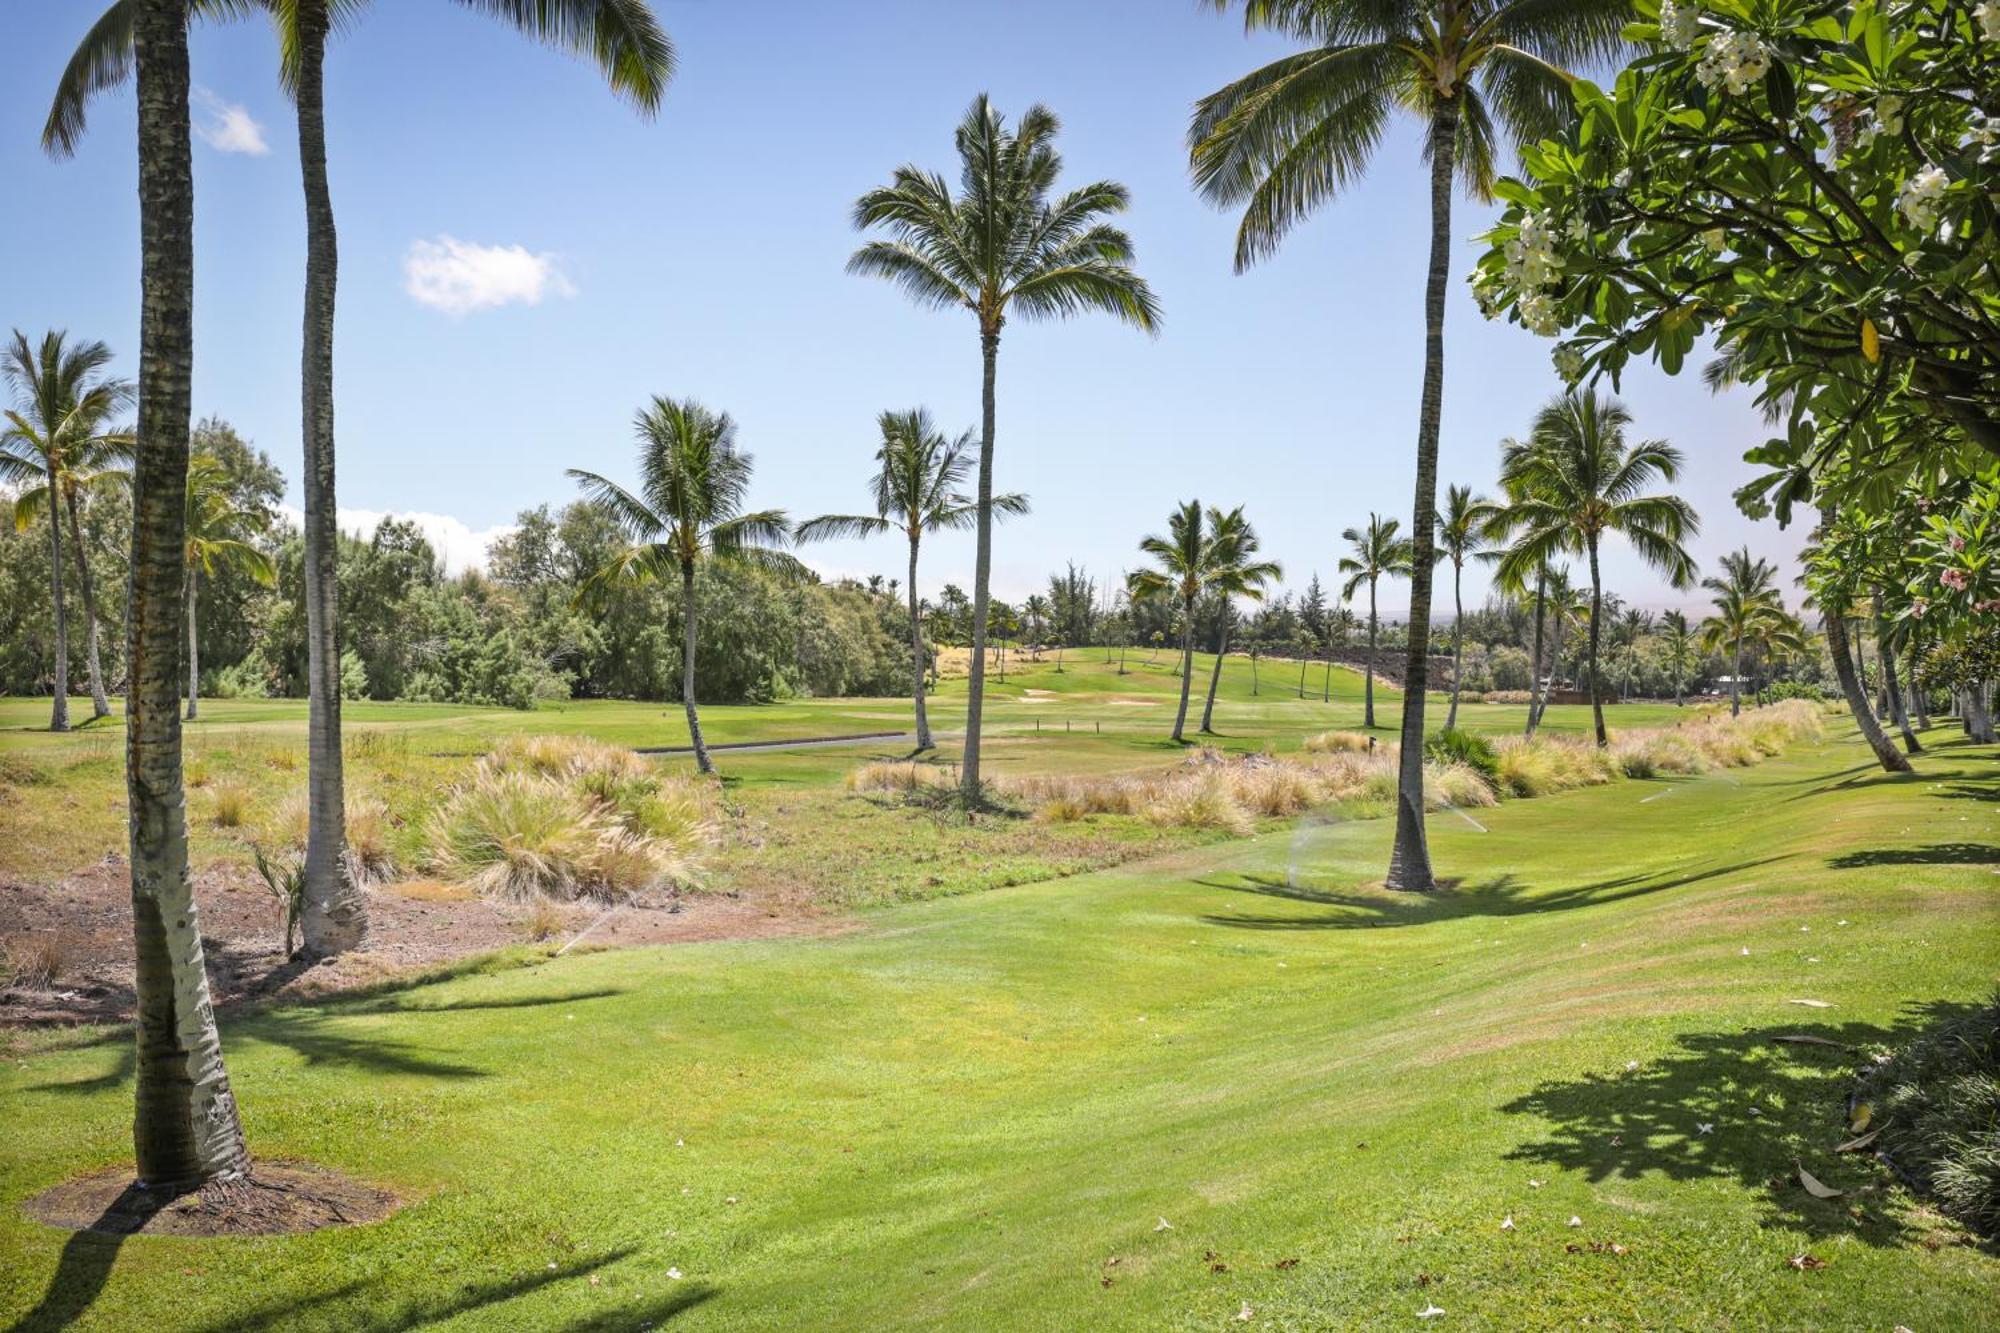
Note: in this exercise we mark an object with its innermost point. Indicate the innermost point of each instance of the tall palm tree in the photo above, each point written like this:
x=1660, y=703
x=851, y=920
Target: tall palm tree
x=1291, y=136
x=687, y=510
x=185, y=1129
x=1185, y=562
x=1463, y=526
x=1746, y=600
x=917, y=489
x=55, y=443
x=1237, y=573
x=1681, y=646
x=1000, y=247
x=1035, y=611
x=1634, y=626
x=1378, y=551
x=218, y=536
x=1582, y=481
x=627, y=43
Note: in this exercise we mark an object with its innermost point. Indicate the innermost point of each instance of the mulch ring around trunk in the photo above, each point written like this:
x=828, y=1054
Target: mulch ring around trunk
x=276, y=1199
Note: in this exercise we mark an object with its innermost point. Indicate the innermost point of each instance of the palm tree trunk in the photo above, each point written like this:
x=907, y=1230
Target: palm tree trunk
x=185, y=1129
x=917, y=653
x=982, y=571
x=1410, y=861
x=1857, y=698
x=1326, y=679
x=1535, y=667
x=1121, y=660
x=1736, y=677
x=1457, y=640
x=194, y=643
x=1596, y=615
x=59, y=710
x=701, y=759
x=1368, y=673
x=100, y=703
x=334, y=917
x=1187, y=669
x=1304, y=658
x=1885, y=651
x=1215, y=677
x=1919, y=700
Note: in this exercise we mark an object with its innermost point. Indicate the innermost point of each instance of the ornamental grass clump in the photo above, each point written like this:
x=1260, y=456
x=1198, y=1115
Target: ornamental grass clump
x=1338, y=742
x=1937, y=1102
x=1200, y=799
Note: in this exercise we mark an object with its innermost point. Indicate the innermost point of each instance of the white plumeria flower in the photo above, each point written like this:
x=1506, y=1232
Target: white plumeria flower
x=1575, y=1221
x=1507, y=1222
x=1568, y=362
x=1680, y=24
x=674, y=1273
x=1889, y=113
x=1429, y=1312
x=1922, y=198
x=1705, y=1127
x=1988, y=15
x=1735, y=61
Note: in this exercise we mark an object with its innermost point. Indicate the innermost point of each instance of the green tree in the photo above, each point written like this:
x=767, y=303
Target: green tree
x=1378, y=551
x=1000, y=247
x=1237, y=573
x=1746, y=608
x=1681, y=643
x=917, y=488
x=1289, y=137
x=56, y=445
x=1463, y=527
x=218, y=536
x=1582, y=481
x=688, y=509
x=626, y=41
x=1186, y=560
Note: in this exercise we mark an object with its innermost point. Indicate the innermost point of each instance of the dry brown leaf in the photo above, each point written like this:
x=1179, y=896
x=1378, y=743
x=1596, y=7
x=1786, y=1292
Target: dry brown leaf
x=1816, y=1187
x=1857, y=1144
x=1812, y=1004
x=1800, y=1039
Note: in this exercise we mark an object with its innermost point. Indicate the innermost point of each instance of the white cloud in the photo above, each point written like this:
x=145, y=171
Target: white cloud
x=458, y=277
x=459, y=546
x=228, y=127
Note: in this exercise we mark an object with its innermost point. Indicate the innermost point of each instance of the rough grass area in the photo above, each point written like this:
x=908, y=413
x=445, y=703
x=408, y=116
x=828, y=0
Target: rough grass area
x=1936, y=1106
x=1236, y=1078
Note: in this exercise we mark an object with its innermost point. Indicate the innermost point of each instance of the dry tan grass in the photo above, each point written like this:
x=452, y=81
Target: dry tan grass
x=1338, y=742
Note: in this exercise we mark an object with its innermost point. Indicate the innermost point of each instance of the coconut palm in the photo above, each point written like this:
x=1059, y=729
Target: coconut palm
x=688, y=510
x=917, y=489
x=1746, y=601
x=1292, y=135
x=1341, y=622
x=56, y=444
x=627, y=43
x=1378, y=551
x=218, y=536
x=1186, y=561
x=1237, y=573
x=1035, y=612
x=1000, y=247
x=1463, y=528
x=1634, y=626
x=1582, y=481
x=1681, y=644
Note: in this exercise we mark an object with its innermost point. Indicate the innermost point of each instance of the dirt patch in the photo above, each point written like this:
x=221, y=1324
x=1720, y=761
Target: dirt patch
x=276, y=1199
x=81, y=929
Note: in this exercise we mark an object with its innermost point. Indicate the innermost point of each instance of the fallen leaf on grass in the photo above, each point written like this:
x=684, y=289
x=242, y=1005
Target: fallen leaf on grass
x=1576, y=1221
x=1245, y=1314
x=1858, y=1121
x=1857, y=1144
x=1803, y=1262
x=1429, y=1312
x=1507, y=1222
x=1812, y=1004
x=1286, y=1263
x=1815, y=1187
x=1801, y=1039
x=1163, y=1225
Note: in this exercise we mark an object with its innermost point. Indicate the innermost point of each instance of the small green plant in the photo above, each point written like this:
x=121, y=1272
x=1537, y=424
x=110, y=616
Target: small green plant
x=286, y=879
x=1452, y=746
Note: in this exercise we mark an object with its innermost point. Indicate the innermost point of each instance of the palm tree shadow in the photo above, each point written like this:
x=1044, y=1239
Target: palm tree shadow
x=1750, y=1106
x=85, y=1265
x=1502, y=895
x=1936, y=854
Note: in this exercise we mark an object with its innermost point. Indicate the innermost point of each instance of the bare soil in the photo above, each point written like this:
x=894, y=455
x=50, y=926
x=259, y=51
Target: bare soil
x=81, y=930
x=276, y=1199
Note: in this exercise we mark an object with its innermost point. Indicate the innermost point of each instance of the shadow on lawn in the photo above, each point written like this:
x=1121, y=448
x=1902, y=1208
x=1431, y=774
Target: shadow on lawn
x=1936, y=854
x=1649, y=1120
x=1504, y=895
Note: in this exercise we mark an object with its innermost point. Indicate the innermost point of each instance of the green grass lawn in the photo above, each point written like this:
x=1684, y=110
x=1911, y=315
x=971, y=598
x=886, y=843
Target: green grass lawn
x=974, y=1113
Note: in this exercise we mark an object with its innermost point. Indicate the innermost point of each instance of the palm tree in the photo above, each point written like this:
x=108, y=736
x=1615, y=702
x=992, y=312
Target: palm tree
x=1634, y=626
x=55, y=444
x=627, y=43
x=1462, y=528
x=1237, y=573
x=218, y=533
x=1681, y=647
x=1341, y=622
x=1035, y=611
x=185, y=1129
x=1288, y=137
x=1187, y=560
x=917, y=489
x=1378, y=551
x=1000, y=247
x=1582, y=481
x=1746, y=599
x=688, y=510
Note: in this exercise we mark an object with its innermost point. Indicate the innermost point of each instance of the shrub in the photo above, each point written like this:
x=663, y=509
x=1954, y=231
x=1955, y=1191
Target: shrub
x=909, y=777
x=286, y=879
x=229, y=804
x=1339, y=742
x=544, y=921
x=1452, y=746
x=1274, y=790
x=1198, y=799
x=1938, y=1102
x=35, y=965
x=369, y=827
x=1456, y=785
x=18, y=770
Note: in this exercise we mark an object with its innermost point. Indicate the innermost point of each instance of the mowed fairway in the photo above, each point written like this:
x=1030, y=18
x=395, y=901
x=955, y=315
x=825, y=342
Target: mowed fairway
x=1239, y=1079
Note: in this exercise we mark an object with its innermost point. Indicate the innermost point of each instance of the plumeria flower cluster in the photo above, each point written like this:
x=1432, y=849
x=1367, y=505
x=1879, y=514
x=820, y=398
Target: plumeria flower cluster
x=1984, y=133
x=1734, y=60
x=1888, y=119
x=1568, y=358
x=1988, y=15
x=1532, y=265
x=1680, y=24
x=1922, y=198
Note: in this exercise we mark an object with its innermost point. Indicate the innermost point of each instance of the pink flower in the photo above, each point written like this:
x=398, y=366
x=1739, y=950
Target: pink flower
x=1989, y=606
x=1958, y=543
x=1953, y=579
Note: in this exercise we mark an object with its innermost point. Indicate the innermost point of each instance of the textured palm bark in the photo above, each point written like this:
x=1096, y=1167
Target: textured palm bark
x=1857, y=697
x=982, y=569
x=194, y=644
x=1368, y=674
x=185, y=1128
x=1215, y=676
x=1596, y=625
x=1457, y=640
x=1410, y=861
x=917, y=654
x=701, y=759
x=1187, y=666
x=100, y=702
x=59, y=709
x=1736, y=678
x=1535, y=688
x=334, y=917
x=1887, y=652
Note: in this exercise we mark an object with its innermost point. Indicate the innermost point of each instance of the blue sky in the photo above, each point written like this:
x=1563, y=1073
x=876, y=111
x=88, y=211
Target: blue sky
x=701, y=253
